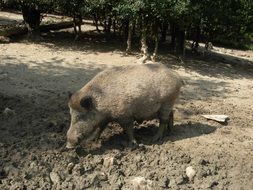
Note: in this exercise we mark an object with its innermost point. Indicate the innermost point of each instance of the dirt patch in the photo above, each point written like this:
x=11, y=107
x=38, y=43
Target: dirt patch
x=35, y=79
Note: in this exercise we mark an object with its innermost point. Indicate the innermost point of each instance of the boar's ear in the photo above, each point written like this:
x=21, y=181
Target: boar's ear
x=86, y=102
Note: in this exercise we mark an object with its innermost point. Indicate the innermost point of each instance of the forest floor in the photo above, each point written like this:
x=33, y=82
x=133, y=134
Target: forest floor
x=34, y=82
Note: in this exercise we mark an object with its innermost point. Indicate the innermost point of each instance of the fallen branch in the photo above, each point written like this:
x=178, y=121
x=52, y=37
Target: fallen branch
x=8, y=31
x=219, y=118
x=11, y=30
x=56, y=26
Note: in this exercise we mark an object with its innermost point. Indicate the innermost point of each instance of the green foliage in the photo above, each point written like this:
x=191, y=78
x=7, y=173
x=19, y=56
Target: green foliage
x=69, y=7
x=230, y=20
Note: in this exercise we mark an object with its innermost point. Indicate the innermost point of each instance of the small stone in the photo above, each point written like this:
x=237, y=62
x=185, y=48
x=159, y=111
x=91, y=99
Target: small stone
x=141, y=183
x=98, y=177
x=109, y=161
x=11, y=170
x=165, y=182
x=190, y=172
x=33, y=164
x=98, y=161
x=8, y=112
x=55, y=178
x=172, y=183
x=78, y=170
x=33, y=157
x=213, y=183
x=102, y=176
x=180, y=180
x=203, y=162
x=70, y=167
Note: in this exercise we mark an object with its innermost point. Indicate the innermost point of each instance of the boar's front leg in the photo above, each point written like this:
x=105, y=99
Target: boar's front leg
x=99, y=131
x=128, y=127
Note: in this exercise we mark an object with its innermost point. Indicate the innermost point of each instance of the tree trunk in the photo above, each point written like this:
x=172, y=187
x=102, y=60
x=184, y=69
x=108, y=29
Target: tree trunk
x=129, y=37
x=114, y=26
x=154, y=56
x=180, y=41
x=184, y=36
x=173, y=35
x=196, y=39
x=75, y=25
x=198, y=35
x=164, y=31
x=125, y=28
x=77, y=21
x=155, y=33
x=32, y=17
x=108, y=25
x=144, y=46
x=134, y=28
x=96, y=22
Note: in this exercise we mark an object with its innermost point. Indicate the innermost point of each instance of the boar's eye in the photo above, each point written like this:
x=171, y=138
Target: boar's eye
x=86, y=102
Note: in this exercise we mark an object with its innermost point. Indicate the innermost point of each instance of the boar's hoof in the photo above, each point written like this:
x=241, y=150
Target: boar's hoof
x=70, y=146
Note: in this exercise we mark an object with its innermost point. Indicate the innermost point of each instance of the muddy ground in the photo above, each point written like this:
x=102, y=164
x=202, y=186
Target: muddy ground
x=34, y=82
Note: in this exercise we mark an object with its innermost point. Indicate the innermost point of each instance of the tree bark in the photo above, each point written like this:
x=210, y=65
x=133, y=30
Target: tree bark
x=96, y=22
x=173, y=35
x=13, y=30
x=32, y=17
x=156, y=39
x=164, y=31
x=195, y=43
x=144, y=46
x=107, y=25
x=129, y=37
x=114, y=26
x=22, y=29
x=180, y=41
x=77, y=23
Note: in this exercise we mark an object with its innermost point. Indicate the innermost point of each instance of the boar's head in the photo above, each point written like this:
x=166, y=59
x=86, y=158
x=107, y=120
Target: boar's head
x=83, y=119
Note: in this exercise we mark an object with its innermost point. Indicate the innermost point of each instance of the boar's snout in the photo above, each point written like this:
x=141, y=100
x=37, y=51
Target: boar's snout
x=73, y=138
x=69, y=145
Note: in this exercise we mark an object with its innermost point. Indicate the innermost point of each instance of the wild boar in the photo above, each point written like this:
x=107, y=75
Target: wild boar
x=123, y=94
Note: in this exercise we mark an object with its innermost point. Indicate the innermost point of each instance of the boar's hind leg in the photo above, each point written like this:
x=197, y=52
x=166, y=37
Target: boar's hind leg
x=128, y=127
x=171, y=122
x=166, y=120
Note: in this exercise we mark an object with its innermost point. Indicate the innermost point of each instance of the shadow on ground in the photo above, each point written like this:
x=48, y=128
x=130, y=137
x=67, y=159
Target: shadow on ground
x=115, y=138
x=211, y=64
x=42, y=115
